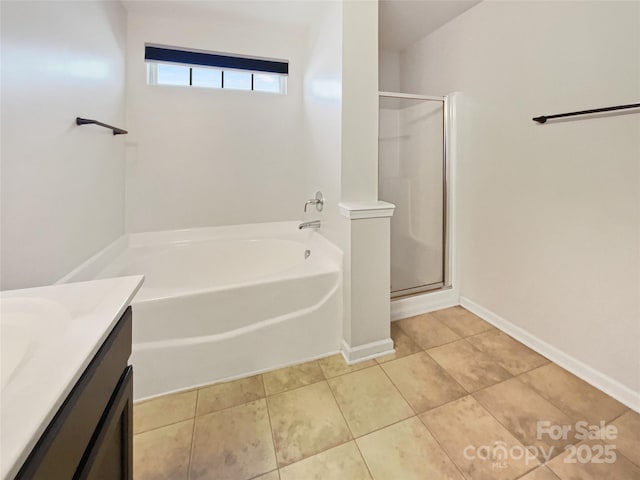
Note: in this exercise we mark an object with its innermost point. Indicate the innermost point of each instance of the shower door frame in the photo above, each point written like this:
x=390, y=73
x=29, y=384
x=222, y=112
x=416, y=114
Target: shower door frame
x=446, y=279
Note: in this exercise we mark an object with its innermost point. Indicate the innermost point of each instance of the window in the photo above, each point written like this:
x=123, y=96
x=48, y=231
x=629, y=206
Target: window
x=191, y=68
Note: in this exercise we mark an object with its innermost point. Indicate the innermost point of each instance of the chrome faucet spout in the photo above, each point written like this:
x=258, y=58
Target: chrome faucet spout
x=312, y=224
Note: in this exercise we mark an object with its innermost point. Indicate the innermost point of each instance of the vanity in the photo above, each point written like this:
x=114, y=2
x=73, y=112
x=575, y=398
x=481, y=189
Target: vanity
x=66, y=386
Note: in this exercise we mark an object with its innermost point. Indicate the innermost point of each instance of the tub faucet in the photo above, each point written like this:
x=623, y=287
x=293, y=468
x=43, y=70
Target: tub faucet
x=318, y=201
x=312, y=224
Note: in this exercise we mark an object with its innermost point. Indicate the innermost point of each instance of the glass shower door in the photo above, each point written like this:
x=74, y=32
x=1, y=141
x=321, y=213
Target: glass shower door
x=412, y=175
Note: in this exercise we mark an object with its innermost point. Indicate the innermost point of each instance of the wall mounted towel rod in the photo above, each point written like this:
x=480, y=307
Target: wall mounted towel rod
x=544, y=118
x=87, y=121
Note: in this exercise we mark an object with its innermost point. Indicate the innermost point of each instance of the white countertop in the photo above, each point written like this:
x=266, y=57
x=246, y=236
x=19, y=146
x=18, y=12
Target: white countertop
x=49, y=335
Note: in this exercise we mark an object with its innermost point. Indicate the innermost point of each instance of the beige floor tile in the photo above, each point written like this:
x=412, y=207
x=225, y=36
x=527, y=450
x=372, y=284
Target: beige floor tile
x=163, y=452
x=469, y=366
x=472, y=437
x=519, y=408
x=369, y=400
x=229, y=394
x=402, y=344
x=341, y=462
x=573, y=396
x=269, y=476
x=233, y=444
x=306, y=421
x=584, y=467
x=406, y=451
x=627, y=440
x=422, y=382
x=462, y=321
x=163, y=411
x=335, y=365
x=542, y=473
x=292, y=377
x=427, y=331
x=510, y=354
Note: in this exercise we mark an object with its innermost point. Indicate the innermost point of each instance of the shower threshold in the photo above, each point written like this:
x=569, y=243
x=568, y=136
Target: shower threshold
x=407, y=292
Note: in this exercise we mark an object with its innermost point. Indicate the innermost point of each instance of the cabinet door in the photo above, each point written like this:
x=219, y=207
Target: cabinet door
x=62, y=448
x=109, y=456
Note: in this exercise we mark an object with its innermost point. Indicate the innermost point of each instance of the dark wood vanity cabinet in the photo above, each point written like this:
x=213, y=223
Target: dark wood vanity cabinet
x=91, y=436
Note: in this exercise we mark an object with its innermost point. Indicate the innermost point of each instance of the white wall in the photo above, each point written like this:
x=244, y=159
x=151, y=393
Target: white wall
x=204, y=157
x=549, y=214
x=323, y=123
x=359, y=101
x=388, y=71
x=62, y=185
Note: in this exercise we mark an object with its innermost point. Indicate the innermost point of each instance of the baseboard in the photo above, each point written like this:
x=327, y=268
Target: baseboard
x=425, y=303
x=580, y=369
x=367, y=351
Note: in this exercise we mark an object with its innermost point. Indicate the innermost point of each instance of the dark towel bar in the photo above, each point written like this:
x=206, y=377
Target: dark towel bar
x=544, y=118
x=87, y=121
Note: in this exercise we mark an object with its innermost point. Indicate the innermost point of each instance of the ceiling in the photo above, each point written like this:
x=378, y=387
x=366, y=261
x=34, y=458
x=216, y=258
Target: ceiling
x=403, y=22
x=295, y=13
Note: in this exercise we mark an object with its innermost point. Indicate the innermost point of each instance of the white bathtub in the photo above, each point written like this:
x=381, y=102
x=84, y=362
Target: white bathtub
x=224, y=302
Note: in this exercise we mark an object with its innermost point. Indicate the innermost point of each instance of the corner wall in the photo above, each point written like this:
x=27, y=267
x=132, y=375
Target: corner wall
x=549, y=215
x=62, y=185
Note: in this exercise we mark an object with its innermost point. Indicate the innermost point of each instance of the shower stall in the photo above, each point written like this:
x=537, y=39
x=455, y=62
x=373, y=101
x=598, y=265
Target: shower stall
x=412, y=175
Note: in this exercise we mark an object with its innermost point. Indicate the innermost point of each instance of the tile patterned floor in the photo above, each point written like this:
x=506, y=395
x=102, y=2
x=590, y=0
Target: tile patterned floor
x=432, y=410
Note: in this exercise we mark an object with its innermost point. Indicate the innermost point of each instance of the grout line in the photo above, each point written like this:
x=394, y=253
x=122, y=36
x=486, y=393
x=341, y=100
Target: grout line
x=163, y=426
x=335, y=399
x=294, y=388
x=541, y=467
x=364, y=460
x=433, y=435
x=414, y=340
x=170, y=394
x=239, y=404
x=398, y=390
x=393, y=423
x=201, y=415
x=193, y=437
x=261, y=474
x=544, y=396
x=531, y=369
x=350, y=371
x=618, y=452
x=467, y=393
x=497, y=358
x=354, y=438
x=326, y=449
x=448, y=373
x=273, y=434
x=486, y=409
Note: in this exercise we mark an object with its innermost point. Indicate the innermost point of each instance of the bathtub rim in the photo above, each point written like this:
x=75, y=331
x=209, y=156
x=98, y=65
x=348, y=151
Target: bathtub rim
x=91, y=268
